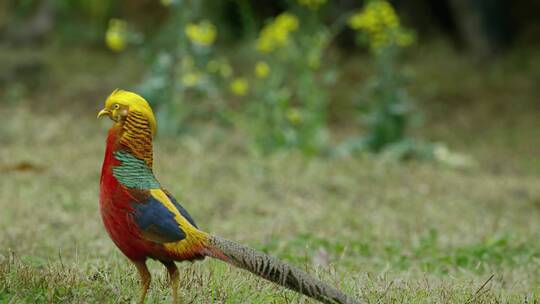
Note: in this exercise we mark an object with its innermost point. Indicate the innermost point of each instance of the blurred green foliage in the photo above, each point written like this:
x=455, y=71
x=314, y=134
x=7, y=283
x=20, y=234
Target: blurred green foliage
x=280, y=89
x=384, y=103
x=276, y=88
x=289, y=100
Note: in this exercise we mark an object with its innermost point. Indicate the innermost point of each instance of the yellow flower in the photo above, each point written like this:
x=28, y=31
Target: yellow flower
x=404, y=39
x=356, y=21
x=294, y=116
x=276, y=34
x=239, y=86
x=204, y=33
x=115, y=37
x=312, y=4
x=377, y=15
x=190, y=79
x=262, y=69
x=380, y=22
x=287, y=22
x=166, y=2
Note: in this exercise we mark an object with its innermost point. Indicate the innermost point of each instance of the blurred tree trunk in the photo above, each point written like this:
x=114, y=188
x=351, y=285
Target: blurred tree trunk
x=483, y=25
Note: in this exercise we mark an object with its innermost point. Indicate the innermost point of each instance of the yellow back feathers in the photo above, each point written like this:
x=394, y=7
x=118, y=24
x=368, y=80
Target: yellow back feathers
x=135, y=103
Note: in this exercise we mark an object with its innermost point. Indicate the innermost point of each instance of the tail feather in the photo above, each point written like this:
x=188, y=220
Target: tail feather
x=275, y=270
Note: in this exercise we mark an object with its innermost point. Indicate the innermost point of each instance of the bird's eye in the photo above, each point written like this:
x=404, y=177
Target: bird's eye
x=116, y=106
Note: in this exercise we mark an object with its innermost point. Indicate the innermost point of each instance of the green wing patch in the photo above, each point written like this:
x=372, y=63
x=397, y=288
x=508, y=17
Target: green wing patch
x=134, y=172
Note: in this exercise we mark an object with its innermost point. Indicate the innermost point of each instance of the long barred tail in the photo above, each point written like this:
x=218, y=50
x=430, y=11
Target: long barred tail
x=276, y=271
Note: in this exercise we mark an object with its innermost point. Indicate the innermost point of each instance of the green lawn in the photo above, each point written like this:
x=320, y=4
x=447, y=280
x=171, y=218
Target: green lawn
x=385, y=232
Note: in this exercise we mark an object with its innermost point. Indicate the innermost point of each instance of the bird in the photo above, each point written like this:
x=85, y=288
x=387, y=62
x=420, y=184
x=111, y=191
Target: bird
x=146, y=222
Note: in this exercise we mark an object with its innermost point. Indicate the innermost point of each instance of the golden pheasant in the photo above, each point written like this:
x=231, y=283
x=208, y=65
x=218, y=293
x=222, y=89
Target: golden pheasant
x=145, y=221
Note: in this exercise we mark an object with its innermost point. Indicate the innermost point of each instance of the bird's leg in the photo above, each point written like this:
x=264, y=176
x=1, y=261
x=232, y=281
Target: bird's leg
x=174, y=279
x=145, y=279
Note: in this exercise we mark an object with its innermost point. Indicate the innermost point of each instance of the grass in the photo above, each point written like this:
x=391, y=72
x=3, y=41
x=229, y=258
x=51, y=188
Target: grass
x=385, y=232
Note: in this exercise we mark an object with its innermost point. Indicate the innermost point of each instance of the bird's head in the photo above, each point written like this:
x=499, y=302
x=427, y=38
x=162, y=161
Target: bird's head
x=120, y=103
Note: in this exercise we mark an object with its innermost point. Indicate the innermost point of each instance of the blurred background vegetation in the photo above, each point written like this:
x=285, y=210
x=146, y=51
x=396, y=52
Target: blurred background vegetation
x=280, y=72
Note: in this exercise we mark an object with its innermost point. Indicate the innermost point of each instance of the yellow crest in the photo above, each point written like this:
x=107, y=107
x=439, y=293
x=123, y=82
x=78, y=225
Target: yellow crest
x=135, y=103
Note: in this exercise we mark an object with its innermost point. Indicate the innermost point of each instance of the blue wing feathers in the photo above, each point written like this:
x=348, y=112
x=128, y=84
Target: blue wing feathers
x=159, y=224
x=181, y=210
